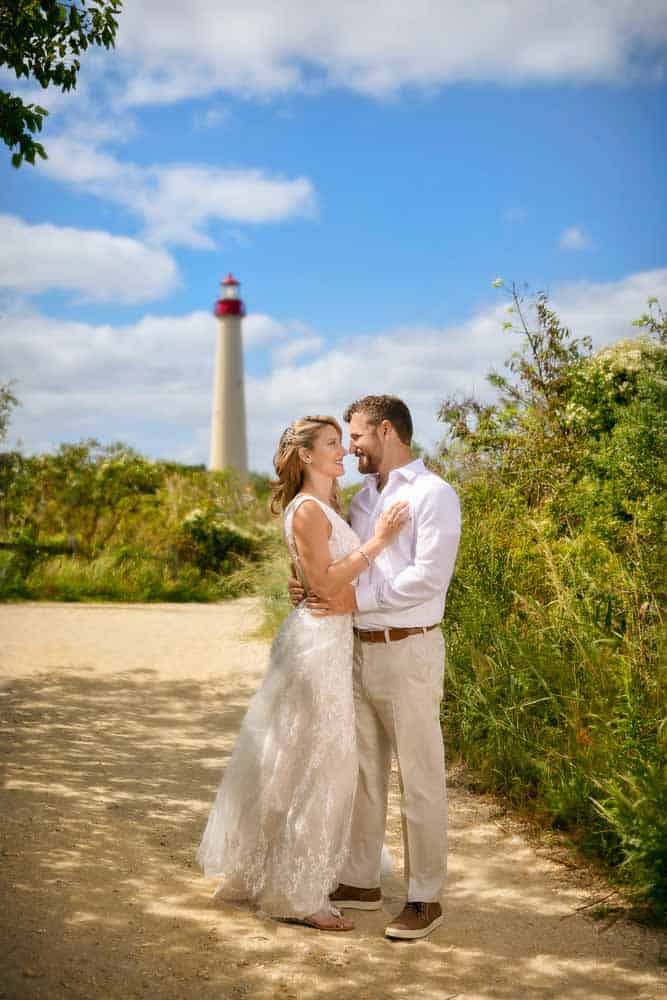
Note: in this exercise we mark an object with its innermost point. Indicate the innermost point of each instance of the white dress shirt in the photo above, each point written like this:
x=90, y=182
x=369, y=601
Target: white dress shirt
x=406, y=584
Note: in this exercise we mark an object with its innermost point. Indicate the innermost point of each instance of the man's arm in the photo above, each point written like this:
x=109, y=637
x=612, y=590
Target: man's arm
x=296, y=591
x=438, y=529
x=342, y=603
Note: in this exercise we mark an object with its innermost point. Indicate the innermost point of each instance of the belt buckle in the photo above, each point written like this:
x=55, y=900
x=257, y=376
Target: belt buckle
x=387, y=638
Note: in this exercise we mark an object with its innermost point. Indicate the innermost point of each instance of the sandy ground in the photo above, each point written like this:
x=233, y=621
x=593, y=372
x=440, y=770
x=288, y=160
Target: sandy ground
x=115, y=724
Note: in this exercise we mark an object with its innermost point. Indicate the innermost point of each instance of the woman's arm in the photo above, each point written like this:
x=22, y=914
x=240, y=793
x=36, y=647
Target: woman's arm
x=312, y=529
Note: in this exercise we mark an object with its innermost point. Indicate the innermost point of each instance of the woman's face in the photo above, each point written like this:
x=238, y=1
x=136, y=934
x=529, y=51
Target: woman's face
x=326, y=455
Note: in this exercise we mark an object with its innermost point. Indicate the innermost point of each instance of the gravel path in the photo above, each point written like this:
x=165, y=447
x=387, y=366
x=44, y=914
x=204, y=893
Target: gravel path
x=115, y=722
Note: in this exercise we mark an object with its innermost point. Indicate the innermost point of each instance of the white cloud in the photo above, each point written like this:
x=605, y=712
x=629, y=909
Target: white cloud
x=172, y=51
x=179, y=202
x=604, y=311
x=291, y=350
x=186, y=198
x=150, y=383
x=97, y=265
x=575, y=238
x=260, y=330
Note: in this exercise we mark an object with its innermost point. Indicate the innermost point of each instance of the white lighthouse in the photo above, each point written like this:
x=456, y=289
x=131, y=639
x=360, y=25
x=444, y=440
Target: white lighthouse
x=228, y=436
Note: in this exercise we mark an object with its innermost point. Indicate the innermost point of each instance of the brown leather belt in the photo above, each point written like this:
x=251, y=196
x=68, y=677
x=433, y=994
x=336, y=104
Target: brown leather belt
x=391, y=634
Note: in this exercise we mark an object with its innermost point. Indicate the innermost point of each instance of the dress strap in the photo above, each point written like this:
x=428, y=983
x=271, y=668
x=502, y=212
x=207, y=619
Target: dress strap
x=298, y=500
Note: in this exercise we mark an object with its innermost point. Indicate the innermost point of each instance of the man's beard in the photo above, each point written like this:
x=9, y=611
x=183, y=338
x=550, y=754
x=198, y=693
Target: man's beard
x=366, y=464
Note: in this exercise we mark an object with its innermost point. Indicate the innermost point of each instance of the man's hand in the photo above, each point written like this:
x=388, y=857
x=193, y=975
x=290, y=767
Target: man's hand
x=343, y=603
x=296, y=591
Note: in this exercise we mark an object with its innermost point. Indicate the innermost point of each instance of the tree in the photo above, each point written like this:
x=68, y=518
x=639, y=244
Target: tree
x=527, y=433
x=43, y=39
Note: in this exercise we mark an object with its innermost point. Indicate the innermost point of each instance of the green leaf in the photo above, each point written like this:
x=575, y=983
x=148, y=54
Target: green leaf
x=45, y=35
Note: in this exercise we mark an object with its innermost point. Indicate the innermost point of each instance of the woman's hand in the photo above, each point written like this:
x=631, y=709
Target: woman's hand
x=391, y=521
x=312, y=529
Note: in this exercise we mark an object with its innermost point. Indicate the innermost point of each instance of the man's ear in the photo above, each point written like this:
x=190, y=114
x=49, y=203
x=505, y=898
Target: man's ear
x=386, y=427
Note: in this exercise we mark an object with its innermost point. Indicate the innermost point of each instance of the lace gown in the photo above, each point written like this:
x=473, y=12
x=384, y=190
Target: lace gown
x=278, y=832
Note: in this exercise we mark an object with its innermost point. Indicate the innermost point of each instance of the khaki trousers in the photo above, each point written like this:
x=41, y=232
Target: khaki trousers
x=397, y=693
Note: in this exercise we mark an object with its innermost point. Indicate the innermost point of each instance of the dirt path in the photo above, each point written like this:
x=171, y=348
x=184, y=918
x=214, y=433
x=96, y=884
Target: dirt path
x=115, y=722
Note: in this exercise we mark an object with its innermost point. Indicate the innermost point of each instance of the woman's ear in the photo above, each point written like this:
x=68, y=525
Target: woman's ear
x=304, y=456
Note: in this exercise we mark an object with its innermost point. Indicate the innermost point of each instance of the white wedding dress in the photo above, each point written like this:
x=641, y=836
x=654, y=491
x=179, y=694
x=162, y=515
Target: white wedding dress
x=278, y=832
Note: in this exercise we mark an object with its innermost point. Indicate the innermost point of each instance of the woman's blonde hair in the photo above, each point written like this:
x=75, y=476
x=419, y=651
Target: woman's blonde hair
x=288, y=464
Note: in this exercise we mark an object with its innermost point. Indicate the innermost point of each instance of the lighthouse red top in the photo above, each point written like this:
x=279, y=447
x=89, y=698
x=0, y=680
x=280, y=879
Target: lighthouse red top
x=229, y=304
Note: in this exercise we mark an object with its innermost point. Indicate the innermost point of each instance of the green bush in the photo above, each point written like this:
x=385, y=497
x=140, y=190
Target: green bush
x=557, y=683
x=215, y=545
x=102, y=522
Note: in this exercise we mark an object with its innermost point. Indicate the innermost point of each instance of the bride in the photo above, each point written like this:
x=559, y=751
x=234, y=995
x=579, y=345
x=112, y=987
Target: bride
x=278, y=832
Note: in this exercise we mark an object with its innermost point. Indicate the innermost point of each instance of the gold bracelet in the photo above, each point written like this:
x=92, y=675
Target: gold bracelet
x=361, y=551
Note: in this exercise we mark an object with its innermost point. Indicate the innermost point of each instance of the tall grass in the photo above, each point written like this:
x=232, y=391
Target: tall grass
x=268, y=580
x=107, y=577
x=556, y=690
x=565, y=718
x=546, y=697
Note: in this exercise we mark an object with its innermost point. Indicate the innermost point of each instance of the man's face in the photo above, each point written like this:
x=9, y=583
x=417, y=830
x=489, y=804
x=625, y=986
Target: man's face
x=365, y=443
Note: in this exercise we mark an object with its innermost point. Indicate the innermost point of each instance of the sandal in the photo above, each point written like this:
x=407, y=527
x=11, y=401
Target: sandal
x=325, y=923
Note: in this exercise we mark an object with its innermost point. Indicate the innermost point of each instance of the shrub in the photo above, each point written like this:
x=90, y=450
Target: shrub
x=99, y=521
x=214, y=545
x=556, y=670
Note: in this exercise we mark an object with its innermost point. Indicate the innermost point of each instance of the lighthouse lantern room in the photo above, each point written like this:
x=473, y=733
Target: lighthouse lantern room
x=229, y=303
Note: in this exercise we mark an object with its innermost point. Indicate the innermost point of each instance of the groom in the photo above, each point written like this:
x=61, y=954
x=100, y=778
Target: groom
x=399, y=657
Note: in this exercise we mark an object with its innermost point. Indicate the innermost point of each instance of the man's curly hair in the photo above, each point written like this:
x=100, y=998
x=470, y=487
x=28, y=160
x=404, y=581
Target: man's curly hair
x=379, y=408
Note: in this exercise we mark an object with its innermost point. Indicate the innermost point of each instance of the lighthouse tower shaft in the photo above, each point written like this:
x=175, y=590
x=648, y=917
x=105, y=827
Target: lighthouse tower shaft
x=228, y=422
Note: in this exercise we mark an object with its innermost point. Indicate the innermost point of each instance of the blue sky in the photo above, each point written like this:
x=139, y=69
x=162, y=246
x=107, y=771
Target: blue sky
x=366, y=171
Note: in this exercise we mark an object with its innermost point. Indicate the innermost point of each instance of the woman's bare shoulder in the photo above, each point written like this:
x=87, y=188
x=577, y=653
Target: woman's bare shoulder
x=309, y=516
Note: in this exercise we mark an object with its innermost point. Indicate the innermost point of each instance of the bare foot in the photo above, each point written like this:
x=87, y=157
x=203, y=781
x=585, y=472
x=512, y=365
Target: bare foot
x=328, y=919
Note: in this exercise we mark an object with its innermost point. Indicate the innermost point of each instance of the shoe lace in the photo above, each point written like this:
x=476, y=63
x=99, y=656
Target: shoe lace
x=419, y=908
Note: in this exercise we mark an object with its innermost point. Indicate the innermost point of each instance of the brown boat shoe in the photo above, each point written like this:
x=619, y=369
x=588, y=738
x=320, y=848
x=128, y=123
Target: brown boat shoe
x=415, y=920
x=351, y=897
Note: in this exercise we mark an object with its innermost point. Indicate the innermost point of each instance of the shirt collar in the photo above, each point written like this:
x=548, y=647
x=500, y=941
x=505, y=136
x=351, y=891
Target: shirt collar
x=409, y=472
